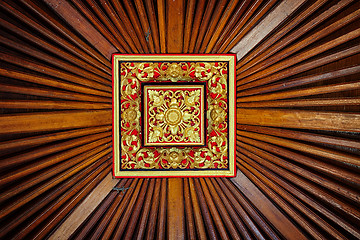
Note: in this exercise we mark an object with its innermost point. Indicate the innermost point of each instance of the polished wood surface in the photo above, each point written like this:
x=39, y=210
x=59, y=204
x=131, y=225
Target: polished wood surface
x=298, y=119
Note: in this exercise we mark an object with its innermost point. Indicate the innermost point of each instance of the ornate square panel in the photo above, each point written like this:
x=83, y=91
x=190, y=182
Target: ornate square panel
x=174, y=115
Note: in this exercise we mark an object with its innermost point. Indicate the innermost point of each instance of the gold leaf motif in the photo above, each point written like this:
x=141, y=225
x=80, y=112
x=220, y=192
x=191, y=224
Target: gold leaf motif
x=176, y=111
x=174, y=115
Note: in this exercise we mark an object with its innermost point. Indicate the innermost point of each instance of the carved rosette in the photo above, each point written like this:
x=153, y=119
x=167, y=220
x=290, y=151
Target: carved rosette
x=173, y=116
x=213, y=156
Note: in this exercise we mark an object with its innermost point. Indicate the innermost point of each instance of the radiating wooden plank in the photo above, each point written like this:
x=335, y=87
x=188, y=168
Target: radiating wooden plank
x=130, y=9
x=294, y=23
x=231, y=7
x=215, y=18
x=139, y=210
x=312, y=202
x=326, y=183
x=128, y=20
x=48, y=17
x=37, y=66
x=87, y=206
x=327, y=197
x=139, y=191
x=200, y=9
x=327, y=153
x=75, y=196
x=162, y=24
x=302, y=67
x=209, y=223
x=301, y=81
x=100, y=227
x=47, y=121
x=203, y=27
x=150, y=8
x=35, y=104
x=200, y=228
x=133, y=42
x=81, y=144
x=51, y=35
x=190, y=223
x=91, y=17
x=231, y=208
x=222, y=211
x=331, y=121
x=277, y=219
x=96, y=215
x=140, y=7
x=248, y=212
x=78, y=22
x=175, y=14
x=313, y=163
x=151, y=223
x=49, y=197
x=251, y=24
x=272, y=45
x=283, y=204
x=42, y=139
x=39, y=91
x=50, y=173
x=303, y=136
x=304, y=92
x=103, y=17
x=134, y=187
x=239, y=18
x=271, y=21
x=26, y=198
x=303, y=103
x=220, y=226
x=81, y=61
x=190, y=9
x=161, y=226
x=13, y=43
x=272, y=65
x=175, y=209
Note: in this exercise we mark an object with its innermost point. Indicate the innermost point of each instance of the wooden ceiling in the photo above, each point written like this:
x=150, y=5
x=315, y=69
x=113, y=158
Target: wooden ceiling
x=298, y=119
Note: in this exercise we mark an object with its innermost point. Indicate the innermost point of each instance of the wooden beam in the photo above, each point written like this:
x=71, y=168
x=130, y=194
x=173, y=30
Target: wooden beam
x=175, y=208
x=175, y=25
x=330, y=121
x=65, y=10
x=270, y=22
x=162, y=25
x=35, y=122
x=267, y=208
x=199, y=222
x=79, y=215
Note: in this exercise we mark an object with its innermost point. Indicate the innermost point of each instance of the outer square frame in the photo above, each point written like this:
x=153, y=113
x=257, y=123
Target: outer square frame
x=231, y=59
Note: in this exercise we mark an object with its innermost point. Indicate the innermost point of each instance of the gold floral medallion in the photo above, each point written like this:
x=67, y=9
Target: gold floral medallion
x=174, y=115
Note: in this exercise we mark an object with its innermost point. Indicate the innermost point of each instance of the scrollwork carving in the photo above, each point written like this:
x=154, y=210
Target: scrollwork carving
x=175, y=111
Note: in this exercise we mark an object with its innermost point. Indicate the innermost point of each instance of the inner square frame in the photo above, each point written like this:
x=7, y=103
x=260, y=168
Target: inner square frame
x=230, y=171
x=168, y=86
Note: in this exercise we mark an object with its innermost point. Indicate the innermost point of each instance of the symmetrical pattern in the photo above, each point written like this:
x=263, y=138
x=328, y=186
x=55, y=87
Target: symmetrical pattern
x=297, y=134
x=173, y=115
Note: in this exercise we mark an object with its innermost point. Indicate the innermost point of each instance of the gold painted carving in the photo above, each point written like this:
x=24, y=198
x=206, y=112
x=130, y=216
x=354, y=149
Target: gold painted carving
x=174, y=116
x=214, y=156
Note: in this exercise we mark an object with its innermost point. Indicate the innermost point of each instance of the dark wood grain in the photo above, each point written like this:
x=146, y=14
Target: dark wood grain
x=176, y=212
x=175, y=14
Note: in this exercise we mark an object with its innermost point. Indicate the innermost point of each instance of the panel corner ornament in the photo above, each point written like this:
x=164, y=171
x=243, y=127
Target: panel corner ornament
x=174, y=115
